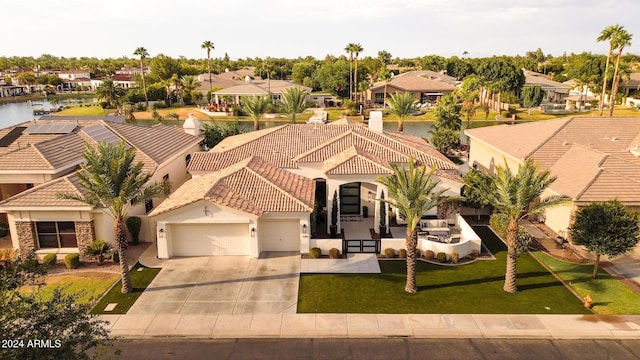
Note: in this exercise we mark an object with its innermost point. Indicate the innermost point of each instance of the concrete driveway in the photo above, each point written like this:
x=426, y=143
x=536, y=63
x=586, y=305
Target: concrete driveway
x=224, y=285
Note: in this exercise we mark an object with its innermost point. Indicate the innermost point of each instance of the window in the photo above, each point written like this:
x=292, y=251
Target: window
x=187, y=159
x=56, y=234
x=148, y=205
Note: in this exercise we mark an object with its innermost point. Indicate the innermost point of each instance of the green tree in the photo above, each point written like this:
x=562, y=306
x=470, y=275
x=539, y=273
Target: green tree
x=214, y=134
x=621, y=38
x=459, y=68
x=385, y=58
x=446, y=133
x=475, y=184
x=516, y=195
x=435, y=63
x=294, y=101
x=112, y=181
x=142, y=54
x=334, y=77
x=413, y=193
x=28, y=314
x=468, y=94
x=605, y=228
x=208, y=45
x=189, y=83
x=607, y=35
x=532, y=97
x=255, y=106
x=499, y=76
x=110, y=93
x=401, y=105
x=163, y=67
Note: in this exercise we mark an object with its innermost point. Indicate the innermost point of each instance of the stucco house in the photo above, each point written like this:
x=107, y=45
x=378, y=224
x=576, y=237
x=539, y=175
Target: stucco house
x=427, y=86
x=38, y=161
x=255, y=192
x=554, y=92
x=255, y=87
x=594, y=159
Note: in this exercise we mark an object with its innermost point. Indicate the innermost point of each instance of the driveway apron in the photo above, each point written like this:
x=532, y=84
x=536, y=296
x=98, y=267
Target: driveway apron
x=224, y=285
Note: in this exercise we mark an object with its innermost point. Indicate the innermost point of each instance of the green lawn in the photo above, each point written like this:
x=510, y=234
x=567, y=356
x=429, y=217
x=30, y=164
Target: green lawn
x=473, y=288
x=140, y=281
x=91, y=285
x=610, y=296
x=93, y=110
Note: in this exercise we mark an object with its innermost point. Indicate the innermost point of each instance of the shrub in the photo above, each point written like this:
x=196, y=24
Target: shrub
x=441, y=257
x=159, y=105
x=134, y=224
x=97, y=249
x=315, y=252
x=402, y=253
x=389, y=252
x=475, y=253
x=455, y=257
x=173, y=116
x=429, y=254
x=334, y=253
x=50, y=259
x=72, y=261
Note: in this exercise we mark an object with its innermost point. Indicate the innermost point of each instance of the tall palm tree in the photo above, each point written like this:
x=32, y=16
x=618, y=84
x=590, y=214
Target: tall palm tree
x=294, y=100
x=112, y=181
x=256, y=106
x=412, y=192
x=620, y=39
x=401, y=105
x=208, y=45
x=350, y=48
x=110, y=93
x=606, y=35
x=516, y=196
x=357, y=49
x=143, y=53
x=189, y=83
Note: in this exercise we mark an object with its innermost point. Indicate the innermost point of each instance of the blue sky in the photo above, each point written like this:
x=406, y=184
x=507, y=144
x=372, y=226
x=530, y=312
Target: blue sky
x=293, y=28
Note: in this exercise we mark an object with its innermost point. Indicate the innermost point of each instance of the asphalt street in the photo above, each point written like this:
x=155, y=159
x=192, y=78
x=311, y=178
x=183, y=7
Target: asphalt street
x=373, y=349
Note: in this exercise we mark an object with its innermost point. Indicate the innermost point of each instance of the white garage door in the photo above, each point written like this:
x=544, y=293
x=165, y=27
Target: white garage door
x=281, y=235
x=209, y=239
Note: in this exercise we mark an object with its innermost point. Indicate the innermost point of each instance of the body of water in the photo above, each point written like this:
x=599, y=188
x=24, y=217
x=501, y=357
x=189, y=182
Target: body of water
x=19, y=112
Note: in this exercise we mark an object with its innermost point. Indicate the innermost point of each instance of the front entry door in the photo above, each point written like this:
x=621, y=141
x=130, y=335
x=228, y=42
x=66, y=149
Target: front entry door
x=350, y=199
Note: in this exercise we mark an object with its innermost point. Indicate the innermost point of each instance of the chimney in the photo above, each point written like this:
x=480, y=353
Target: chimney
x=375, y=121
x=191, y=125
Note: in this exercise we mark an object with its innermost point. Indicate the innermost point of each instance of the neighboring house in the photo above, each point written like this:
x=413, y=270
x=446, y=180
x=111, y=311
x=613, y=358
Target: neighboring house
x=11, y=90
x=38, y=161
x=255, y=192
x=554, y=92
x=133, y=70
x=125, y=81
x=595, y=159
x=427, y=86
x=258, y=87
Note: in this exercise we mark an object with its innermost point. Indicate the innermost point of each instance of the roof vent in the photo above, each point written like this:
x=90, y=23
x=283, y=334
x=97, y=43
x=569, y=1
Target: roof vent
x=565, y=143
x=613, y=138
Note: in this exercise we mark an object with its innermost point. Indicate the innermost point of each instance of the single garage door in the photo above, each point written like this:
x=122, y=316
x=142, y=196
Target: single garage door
x=283, y=235
x=209, y=239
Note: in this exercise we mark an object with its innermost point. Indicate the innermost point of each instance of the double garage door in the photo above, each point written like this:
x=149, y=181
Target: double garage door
x=210, y=239
x=233, y=239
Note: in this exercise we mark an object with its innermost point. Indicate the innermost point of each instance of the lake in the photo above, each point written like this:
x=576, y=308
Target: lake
x=19, y=112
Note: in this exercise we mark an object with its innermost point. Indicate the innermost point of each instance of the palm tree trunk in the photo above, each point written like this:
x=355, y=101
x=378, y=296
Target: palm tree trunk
x=616, y=81
x=355, y=80
x=351, y=77
x=411, y=242
x=595, y=267
x=384, y=99
x=604, y=83
x=210, y=82
x=256, y=125
x=144, y=85
x=400, y=125
x=512, y=256
x=121, y=239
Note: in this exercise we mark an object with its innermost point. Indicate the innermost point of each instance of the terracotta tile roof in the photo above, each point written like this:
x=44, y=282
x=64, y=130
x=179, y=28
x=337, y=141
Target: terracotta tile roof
x=355, y=161
x=288, y=146
x=46, y=195
x=537, y=79
x=65, y=150
x=590, y=156
x=419, y=80
x=259, y=87
x=253, y=186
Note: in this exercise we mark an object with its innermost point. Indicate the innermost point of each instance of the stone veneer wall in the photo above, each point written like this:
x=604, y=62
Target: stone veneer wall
x=26, y=234
x=85, y=234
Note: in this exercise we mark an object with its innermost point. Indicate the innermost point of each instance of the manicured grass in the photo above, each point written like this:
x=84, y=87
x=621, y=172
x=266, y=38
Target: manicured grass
x=473, y=288
x=94, y=110
x=610, y=296
x=140, y=281
x=91, y=285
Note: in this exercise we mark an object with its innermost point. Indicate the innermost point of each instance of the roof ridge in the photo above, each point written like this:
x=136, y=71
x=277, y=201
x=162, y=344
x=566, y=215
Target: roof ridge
x=587, y=185
x=263, y=133
x=322, y=145
x=566, y=122
x=351, y=148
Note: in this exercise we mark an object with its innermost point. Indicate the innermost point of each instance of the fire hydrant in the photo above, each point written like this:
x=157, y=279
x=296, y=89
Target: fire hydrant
x=588, y=301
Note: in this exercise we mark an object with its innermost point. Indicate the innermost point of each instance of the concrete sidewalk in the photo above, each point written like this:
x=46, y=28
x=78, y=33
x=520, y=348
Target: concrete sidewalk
x=373, y=325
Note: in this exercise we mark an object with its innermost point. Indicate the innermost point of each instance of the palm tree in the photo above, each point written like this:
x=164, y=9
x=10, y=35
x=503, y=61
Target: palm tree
x=606, y=35
x=517, y=196
x=143, y=53
x=208, y=45
x=294, y=101
x=401, y=105
x=113, y=182
x=189, y=83
x=357, y=49
x=385, y=76
x=620, y=39
x=110, y=93
x=256, y=106
x=412, y=192
x=350, y=50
